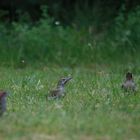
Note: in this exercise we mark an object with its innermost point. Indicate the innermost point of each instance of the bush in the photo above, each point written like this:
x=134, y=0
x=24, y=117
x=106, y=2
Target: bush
x=49, y=42
x=46, y=43
x=123, y=39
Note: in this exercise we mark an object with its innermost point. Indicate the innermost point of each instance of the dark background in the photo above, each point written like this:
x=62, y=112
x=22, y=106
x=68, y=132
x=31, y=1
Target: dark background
x=63, y=10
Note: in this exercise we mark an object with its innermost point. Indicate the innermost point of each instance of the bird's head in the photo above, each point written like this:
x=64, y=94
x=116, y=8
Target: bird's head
x=63, y=81
x=129, y=76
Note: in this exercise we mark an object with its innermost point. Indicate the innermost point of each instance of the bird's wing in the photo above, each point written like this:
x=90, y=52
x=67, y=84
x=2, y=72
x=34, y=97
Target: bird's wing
x=54, y=92
x=129, y=85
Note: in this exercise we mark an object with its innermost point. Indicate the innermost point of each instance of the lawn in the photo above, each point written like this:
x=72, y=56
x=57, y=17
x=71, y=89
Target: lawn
x=95, y=107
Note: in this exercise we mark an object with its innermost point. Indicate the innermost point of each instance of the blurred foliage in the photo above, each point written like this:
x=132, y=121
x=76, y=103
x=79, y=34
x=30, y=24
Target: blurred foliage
x=66, y=11
x=49, y=43
x=92, y=32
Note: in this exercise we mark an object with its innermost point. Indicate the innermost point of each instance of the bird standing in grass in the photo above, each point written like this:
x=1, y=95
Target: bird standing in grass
x=129, y=84
x=2, y=102
x=60, y=89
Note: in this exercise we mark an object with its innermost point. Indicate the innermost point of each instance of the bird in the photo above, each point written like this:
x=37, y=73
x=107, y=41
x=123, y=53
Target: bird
x=60, y=89
x=3, y=95
x=129, y=84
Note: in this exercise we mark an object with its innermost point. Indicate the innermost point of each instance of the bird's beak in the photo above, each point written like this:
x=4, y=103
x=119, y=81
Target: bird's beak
x=67, y=79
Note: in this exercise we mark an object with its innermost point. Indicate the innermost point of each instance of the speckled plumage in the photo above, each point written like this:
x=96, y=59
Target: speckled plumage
x=60, y=89
x=129, y=84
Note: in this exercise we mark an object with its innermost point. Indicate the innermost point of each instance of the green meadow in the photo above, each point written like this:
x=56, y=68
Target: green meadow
x=35, y=55
x=95, y=107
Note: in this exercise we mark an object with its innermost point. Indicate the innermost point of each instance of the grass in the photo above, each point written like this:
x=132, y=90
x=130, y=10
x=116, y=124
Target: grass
x=95, y=107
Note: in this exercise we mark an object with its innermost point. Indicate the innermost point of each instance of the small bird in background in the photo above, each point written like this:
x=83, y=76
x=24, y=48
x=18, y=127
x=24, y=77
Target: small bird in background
x=129, y=84
x=60, y=89
x=3, y=95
